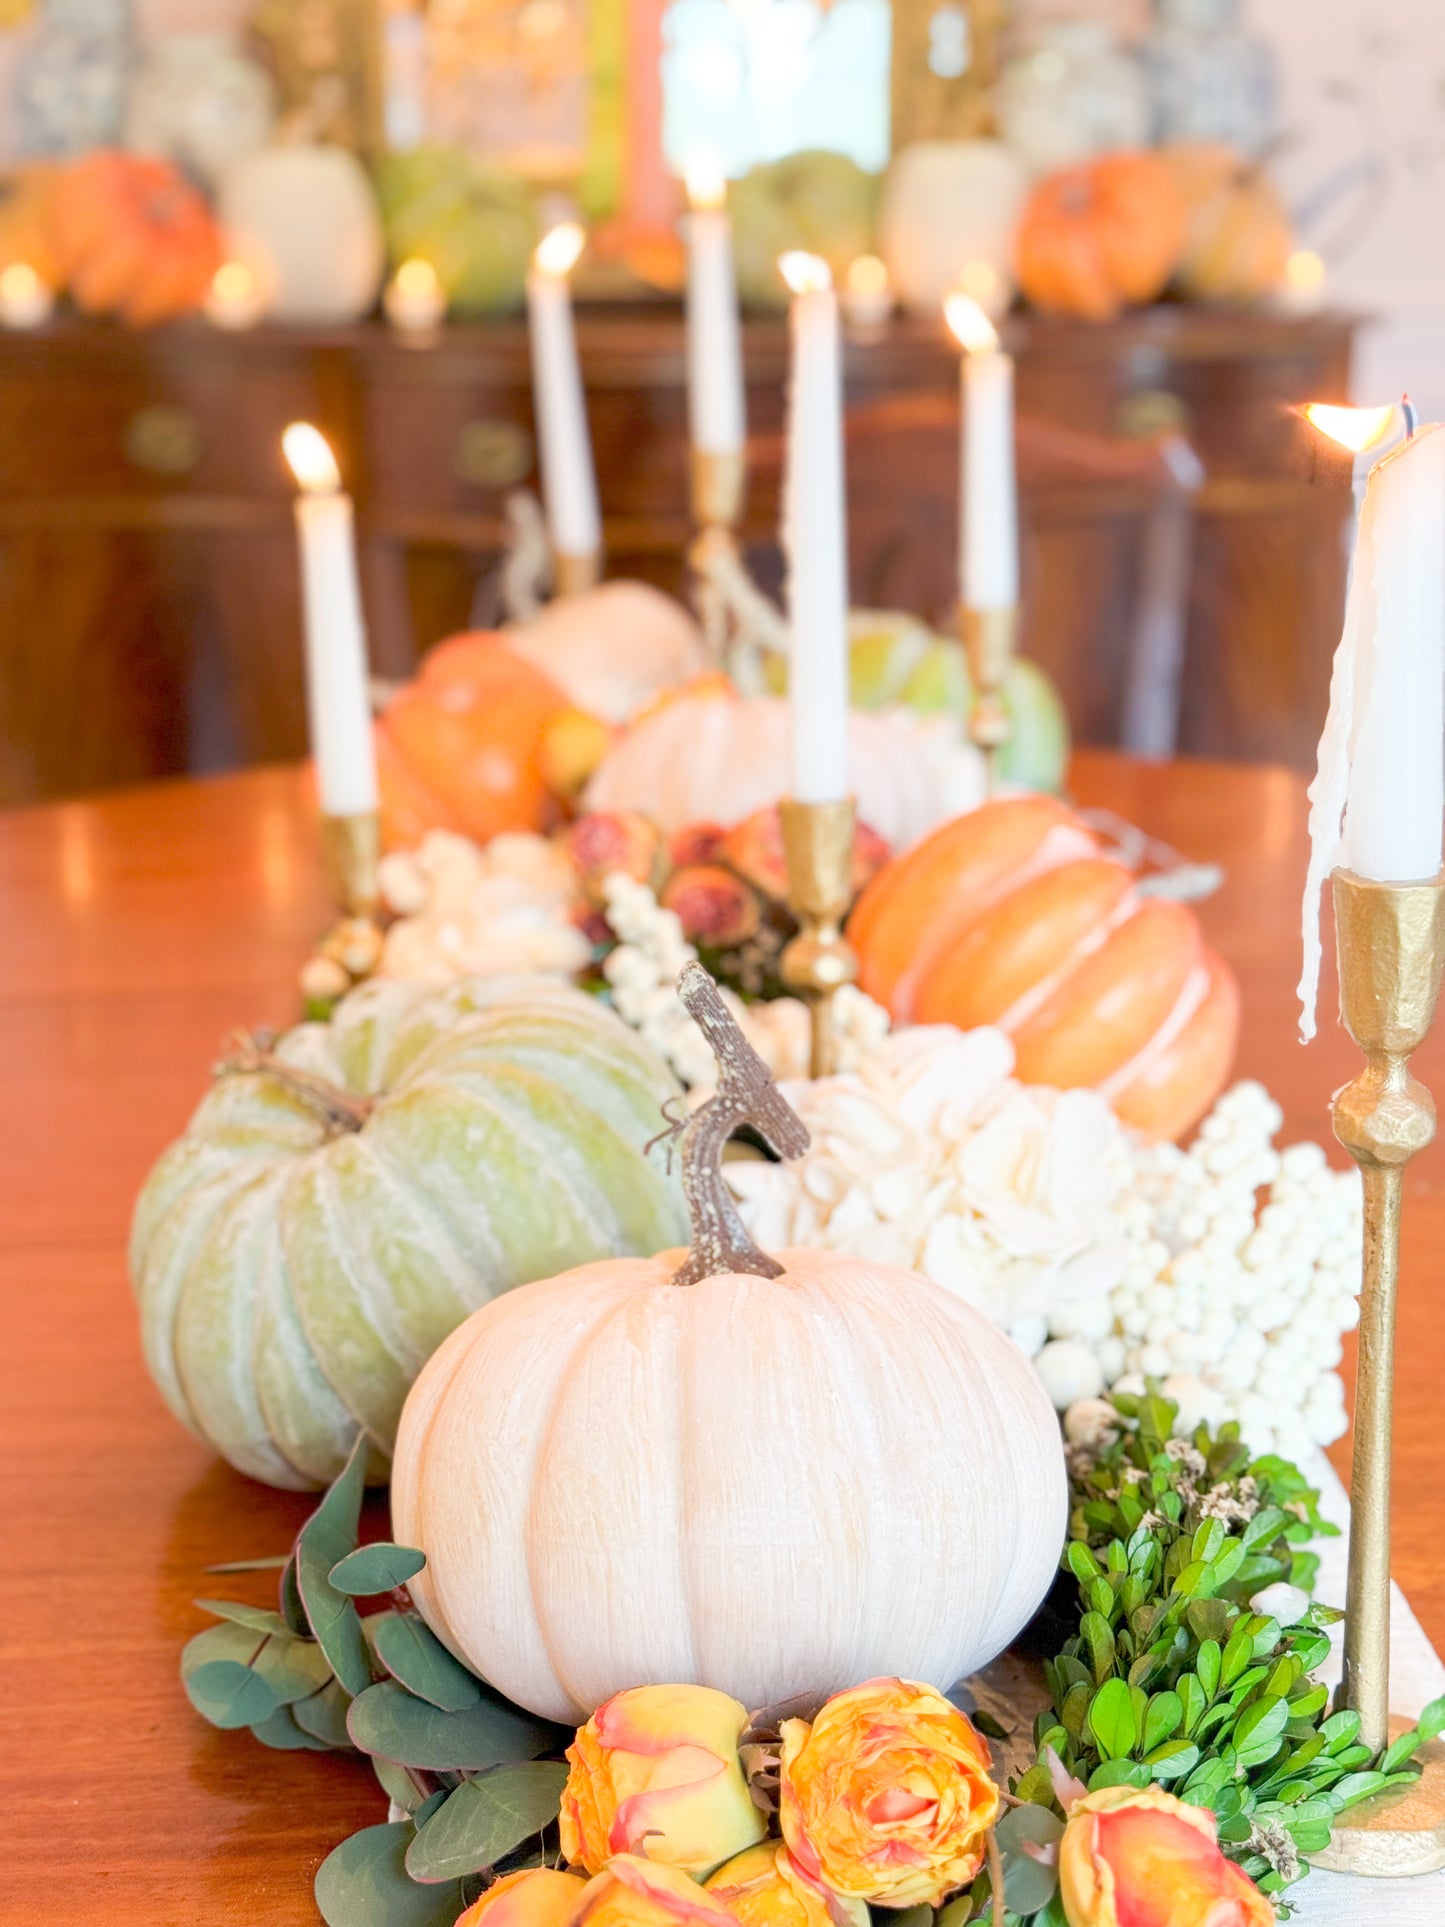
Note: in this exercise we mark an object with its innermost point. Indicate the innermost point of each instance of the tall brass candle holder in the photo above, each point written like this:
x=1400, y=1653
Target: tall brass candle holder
x=818, y=846
x=1390, y=940
x=718, y=485
x=989, y=636
x=351, y=949
x=571, y=574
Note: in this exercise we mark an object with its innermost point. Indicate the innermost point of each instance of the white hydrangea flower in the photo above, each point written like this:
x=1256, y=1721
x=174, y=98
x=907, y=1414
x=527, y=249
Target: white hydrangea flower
x=465, y=910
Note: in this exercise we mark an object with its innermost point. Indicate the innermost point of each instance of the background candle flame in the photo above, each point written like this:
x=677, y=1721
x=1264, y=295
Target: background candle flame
x=706, y=182
x=805, y=273
x=311, y=461
x=1354, y=428
x=416, y=278
x=20, y=282
x=971, y=327
x=560, y=248
x=867, y=274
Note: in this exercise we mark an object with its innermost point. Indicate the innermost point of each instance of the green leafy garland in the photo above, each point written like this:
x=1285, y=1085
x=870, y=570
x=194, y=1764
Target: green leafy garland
x=1170, y=1679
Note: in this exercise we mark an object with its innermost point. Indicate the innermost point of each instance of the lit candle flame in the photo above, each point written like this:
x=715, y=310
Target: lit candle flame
x=1354, y=428
x=417, y=279
x=972, y=329
x=311, y=461
x=560, y=249
x=233, y=283
x=867, y=275
x=1304, y=271
x=19, y=282
x=706, y=183
x=805, y=273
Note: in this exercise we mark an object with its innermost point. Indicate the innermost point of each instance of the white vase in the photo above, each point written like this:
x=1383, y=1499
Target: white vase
x=1074, y=93
x=198, y=98
x=949, y=210
x=304, y=219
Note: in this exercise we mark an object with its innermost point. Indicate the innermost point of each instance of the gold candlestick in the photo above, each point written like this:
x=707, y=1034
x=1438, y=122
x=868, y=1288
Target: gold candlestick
x=351, y=949
x=571, y=574
x=718, y=484
x=1390, y=940
x=818, y=845
x=988, y=642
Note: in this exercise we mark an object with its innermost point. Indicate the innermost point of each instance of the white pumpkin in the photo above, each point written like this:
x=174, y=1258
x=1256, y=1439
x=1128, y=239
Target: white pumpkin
x=615, y=648
x=951, y=207
x=771, y=1476
x=714, y=758
x=304, y=219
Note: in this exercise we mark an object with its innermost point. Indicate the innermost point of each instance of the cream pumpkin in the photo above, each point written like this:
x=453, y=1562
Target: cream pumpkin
x=337, y=1206
x=716, y=757
x=613, y=649
x=773, y=1476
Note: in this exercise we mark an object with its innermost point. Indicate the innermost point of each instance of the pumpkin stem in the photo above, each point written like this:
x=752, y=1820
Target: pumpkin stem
x=254, y=1056
x=746, y=1094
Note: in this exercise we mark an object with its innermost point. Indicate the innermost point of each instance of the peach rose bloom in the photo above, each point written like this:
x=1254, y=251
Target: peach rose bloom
x=631, y=1892
x=1146, y=1859
x=537, y=1897
x=887, y=1796
x=764, y=1888
x=655, y=1771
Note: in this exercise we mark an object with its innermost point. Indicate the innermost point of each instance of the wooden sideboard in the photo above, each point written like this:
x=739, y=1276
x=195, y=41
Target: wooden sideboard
x=149, y=607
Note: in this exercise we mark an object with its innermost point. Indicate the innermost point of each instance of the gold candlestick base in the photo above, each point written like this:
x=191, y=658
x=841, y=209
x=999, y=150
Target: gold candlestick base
x=1397, y=1833
x=1390, y=940
x=818, y=845
x=988, y=642
x=351, y=949
x=571, y=574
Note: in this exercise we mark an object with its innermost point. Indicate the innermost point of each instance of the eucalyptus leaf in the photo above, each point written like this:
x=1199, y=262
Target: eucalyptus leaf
x=292, y=1610
x=485, y=1818
x=259, y=1618
x=324, y=1714
x=272, y=1564
x=226, y=1641
x=294, y=1669
x=387, y=1719
x=411, y=1652
x=1028, y=1883
x=364, y=1883
x=397, y=1784
x=229, y=1694
x=325, y=1539
x=282, y=1733
x=376, y=1568
x=956, y=1914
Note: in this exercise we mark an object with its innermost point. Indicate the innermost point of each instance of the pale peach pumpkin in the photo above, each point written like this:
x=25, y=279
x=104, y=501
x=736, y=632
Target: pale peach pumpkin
x=1013, y=916
x=460, y=748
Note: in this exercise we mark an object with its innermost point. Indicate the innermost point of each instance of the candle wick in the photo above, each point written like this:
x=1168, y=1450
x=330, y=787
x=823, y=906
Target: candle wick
x=1412, y=416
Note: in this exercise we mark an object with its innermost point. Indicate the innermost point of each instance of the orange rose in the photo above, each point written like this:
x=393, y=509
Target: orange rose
x=887, y=1795
x=764, y=1888
x=655, y=1771
x=537, y=1897
x=640, y=1893
x=1145, y=1859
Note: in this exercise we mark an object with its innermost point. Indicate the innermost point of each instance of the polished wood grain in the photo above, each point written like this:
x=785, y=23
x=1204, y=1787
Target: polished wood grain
x=139, y=930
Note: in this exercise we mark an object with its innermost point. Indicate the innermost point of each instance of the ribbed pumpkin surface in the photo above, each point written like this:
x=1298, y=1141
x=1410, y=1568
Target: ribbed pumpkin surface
x=1012, y=916
x=293, y=1279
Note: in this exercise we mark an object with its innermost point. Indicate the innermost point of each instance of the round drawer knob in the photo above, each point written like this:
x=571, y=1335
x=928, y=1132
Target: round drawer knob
x=163, y=440
x=492, y=453
x=1153, y=411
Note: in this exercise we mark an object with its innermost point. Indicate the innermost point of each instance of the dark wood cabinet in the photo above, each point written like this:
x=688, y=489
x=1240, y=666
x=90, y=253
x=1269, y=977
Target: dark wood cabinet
x=149, y=611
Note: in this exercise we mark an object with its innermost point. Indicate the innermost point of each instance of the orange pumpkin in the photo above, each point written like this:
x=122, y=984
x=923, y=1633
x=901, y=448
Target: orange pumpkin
x=1238, y=237
x=1100, y=237
x=134, y=238
x=1012, y=915
x=460, y=747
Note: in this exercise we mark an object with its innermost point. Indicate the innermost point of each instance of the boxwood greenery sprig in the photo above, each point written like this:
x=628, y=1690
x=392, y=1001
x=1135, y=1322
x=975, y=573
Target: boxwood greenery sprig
x=1197, y=1642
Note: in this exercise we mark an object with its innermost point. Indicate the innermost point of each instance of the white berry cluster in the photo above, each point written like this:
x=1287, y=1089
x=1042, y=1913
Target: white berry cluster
x=1238, y=1307
x=642, y=973
x=1106, y=1259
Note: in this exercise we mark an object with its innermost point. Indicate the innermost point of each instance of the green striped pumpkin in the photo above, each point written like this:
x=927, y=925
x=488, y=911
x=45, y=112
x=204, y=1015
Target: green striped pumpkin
x=294, y=1274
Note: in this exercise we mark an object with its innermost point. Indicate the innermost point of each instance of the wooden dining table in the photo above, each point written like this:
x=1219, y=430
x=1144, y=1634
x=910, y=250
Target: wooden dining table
x=138, y=931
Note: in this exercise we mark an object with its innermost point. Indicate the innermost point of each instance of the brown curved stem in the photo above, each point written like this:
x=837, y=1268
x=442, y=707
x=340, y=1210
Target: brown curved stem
x=995, y=1877
x=254, y=1057
x=746, y=1094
